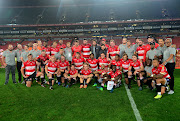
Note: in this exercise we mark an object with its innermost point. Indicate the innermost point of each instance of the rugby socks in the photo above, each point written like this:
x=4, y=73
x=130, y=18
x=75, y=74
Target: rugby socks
x=59, y=78
x=96, y=79
x=50, y=82
x=141, y=81
x=42, y=79
x=158, y=86
x=129, y=80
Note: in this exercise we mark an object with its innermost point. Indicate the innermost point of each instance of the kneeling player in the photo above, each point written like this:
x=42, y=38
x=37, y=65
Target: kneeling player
x=135, y=68
x=51, y=68
x=71, y=75
x=161, y=76
x=85, y=76
x=30, y=71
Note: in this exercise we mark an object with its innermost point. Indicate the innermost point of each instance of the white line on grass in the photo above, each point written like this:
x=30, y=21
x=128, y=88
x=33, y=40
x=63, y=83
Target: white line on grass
x=133, y=104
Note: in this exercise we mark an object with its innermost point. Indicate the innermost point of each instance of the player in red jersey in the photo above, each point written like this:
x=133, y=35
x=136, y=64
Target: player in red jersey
x=54, y=48
x=61, y=45
x=93, y=62
x=76, y=48
x=112, y=50
x=161, y=76
x=42, y=60
x=116, y=62
x=51, y=68
x=150, y=39
x=71, y=76
x=46, y=48
x=63, y=67
x=141, y=51
x=78, y=61
x=135, y=68
x=28, y=71
x=86, y=49
x=85, y=76
x=104, y=42
x=103, y=60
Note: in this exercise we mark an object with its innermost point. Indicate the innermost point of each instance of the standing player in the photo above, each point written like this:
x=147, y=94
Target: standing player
x=135, y=68
x=103, y=60
x=85, y=76
x=51, y=68
x=76, y=48
x=61, y=45
x=141, y=51
x=160, y=74
x=54, y=48
x=112, y=50
x=104, y=43
x=150, y=39
x=28, y=71
x=59, y=54
x=78, y=61
x=86, y=49
x=46, y=48
x=93, y=62
x=68, y=52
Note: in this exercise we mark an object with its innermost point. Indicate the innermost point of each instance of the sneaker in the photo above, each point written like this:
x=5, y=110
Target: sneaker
x=81, y=86
x=67, y=86
x=63, y=84
x=59, y=83
x=105, y=85
x=42, y=85
x=171, y=92
x=112, y=90
x=51, y=88
x=23, y=82
x=129, y=86
x=100, y=88
x=95, y=85
x=157, y=96
x=5, y=83
x=140, y=89
x=85, y=86
x=56, y=81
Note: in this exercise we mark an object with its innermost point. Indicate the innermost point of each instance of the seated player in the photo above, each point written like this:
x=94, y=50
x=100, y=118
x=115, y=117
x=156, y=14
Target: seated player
x=51, y=68
x=99, y=75
x=93, y=62
x=85, y=76
x=125, y=62
x=135, y=68
x=42, y=60
x=103, y=60
x=161, y=77
x=30, y=71
x=63, y=67
x=71, y=76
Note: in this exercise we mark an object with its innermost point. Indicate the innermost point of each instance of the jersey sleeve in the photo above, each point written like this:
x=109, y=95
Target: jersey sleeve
x=23, y=65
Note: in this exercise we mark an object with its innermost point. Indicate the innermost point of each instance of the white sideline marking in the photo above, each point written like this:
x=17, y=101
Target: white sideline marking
x=133, y=104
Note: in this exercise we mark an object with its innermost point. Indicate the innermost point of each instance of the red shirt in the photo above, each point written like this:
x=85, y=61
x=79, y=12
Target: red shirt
x=107, y=46
x=52, y=67
x=86, y=50
x=43, y=58
x=84, y=72
x=136, y=65
x=30, y=67
x=102, y=71
x=103, y=61
x=76, y=49
x=63, y=65
x=113, y=75
x=141, y=50
x=161, y=70
x=93, y=64
x=47, y=49
x=54, y=50
x=72, y=72
x=125, y=65
x=61, y=46
x=78, y=63
x=112, y=51
x=116, y=63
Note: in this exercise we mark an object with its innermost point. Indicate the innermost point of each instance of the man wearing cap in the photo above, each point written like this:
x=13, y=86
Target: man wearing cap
x=123, y=46
x=150, y=39
x=8, y=60
x=169, y=61
x=153, y=53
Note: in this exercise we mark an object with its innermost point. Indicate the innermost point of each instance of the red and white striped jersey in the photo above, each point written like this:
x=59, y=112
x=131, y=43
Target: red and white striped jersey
x=141, y=53
x=136, y=65
x=85, y=72
x=93, y=64
x=78, y=63
x=86, y=50
x=63, y=65
x=72, y=72
x=43, y=58
x=114, y=74
x=47, y=49
x=112, y=51
x=161, y=70
x=30, y=67
x=125, y=65
x=116, y=63
x=52, y=67
x=54, y=50
x=102, y=71
x=103, y=61
x=76, y=49
x=61, y=46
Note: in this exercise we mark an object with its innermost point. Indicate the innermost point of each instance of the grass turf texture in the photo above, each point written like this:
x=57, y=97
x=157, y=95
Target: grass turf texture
x=18, y=102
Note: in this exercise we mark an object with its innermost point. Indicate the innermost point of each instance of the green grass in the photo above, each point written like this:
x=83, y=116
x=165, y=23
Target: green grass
x=18, y=102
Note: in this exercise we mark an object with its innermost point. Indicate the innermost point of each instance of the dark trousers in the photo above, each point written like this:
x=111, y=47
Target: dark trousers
x=19, y=64
x=9, y=68
x=170, y=68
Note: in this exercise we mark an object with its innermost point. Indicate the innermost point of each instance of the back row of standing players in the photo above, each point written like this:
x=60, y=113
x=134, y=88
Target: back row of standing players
x=102, y=62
